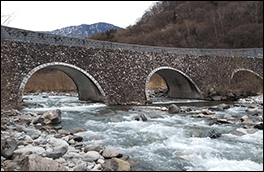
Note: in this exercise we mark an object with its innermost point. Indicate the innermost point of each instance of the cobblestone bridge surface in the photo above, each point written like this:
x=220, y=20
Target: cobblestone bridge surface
x=117, y=73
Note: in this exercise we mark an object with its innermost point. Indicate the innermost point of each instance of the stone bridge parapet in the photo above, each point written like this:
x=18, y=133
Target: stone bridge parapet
x=13, y=34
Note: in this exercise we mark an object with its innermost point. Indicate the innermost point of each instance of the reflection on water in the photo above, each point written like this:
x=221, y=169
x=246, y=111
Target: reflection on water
x=166, y=142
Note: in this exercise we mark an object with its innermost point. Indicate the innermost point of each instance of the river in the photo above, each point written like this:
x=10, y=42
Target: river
x=167, y=142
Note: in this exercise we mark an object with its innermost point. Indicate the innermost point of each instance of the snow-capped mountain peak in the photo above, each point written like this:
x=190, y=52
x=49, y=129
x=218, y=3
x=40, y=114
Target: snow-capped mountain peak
x=84, y=30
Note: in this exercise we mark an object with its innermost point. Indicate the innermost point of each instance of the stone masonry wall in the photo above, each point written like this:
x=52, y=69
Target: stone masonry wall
x=121, y=73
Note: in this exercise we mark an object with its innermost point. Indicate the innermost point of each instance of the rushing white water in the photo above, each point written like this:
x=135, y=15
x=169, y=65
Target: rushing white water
x=163, y=143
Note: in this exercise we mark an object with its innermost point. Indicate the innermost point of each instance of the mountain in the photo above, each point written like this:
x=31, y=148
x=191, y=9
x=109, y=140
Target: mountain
x=84, y=30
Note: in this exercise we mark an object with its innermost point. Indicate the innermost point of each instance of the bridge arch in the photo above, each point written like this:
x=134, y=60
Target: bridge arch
x=179, y=84
x=246, y=80
x=244, y=70
x=87, y=87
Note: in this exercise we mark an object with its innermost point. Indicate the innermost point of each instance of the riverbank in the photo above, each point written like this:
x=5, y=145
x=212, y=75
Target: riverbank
x=28, y=138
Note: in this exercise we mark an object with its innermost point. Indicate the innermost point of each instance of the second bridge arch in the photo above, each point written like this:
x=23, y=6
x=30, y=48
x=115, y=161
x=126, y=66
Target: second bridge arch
x=178, y=84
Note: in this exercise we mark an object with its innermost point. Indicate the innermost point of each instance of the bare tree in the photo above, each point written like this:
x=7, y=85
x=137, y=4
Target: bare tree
x=6, y=19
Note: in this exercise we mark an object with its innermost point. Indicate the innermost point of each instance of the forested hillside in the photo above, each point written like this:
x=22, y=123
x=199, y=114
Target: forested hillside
x=195, y=24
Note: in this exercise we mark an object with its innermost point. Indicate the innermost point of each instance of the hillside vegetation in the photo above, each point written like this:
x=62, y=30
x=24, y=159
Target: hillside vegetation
x=195, y=24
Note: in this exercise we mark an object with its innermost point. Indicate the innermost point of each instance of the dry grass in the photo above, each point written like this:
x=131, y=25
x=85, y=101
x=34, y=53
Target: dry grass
x=156, y=81
x=51, y=81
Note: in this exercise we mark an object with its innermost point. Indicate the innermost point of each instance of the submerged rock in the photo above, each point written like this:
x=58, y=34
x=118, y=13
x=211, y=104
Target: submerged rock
x=213, y=134
x=141, y=117
x=259, y=126
x=174, y=109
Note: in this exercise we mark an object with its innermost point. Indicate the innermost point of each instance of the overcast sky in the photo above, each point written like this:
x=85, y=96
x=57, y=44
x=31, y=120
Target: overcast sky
x=52, y=15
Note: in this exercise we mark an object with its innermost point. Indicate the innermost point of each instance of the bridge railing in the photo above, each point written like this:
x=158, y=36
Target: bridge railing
x=20, y=35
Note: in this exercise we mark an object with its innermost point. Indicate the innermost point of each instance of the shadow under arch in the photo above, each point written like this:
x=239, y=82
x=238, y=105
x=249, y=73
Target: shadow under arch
x=87, y=87
x=246, y=80
x=179, y=85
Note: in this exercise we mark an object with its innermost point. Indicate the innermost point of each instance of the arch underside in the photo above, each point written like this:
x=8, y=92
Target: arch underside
x=87, y=90
x=178, y=85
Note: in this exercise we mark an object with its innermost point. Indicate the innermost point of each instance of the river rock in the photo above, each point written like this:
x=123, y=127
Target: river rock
x=71, y=142
x=97, y=167
x=26, y=118
x=77, y=130
x=110, y=165
x=28, y=140
x=213, y=134
x=228, y=116
x=259, y=126
x=116, y=164
x=220, y=107
x=77, y=138
x=63, y=132
x=245, y=120
x=222, y=121
x=59, y=147
x=154, y=115
x=110, y=152
x=80, y=167
x=37, y=163
x=252, y=111
x=7, y=147
x=141, y=117
x=207, y=112
x=92, y=148
x=50, y=117
x=94, y=155
x=200, y=115
x=122, y=165
x=100, y=161
x=29, y=149
x=34, y=134
x=21, y=128
x=216, y=98
x=174, y=109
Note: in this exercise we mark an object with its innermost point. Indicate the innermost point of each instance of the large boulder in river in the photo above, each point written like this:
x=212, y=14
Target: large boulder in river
x=50, y=117
x=174, y=109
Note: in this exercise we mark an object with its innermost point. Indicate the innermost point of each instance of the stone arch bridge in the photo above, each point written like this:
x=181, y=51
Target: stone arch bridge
x=117, y=73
